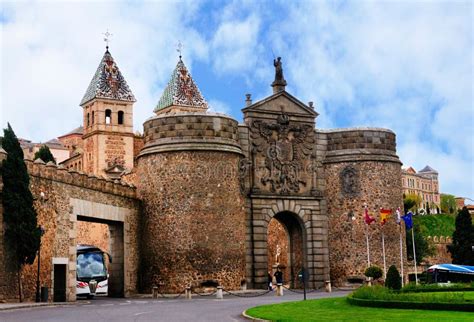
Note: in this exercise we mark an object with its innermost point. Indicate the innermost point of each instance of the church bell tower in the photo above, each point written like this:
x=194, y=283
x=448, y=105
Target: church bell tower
x=108, y=121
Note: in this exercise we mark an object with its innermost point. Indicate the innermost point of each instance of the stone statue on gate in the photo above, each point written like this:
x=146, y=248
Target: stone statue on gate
x=278, y=254
x=279, y=79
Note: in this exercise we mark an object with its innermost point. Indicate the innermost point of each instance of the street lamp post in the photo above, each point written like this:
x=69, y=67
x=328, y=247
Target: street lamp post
x=38, y=297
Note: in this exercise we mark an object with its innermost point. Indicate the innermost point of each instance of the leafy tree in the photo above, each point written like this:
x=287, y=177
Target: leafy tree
x=410, y=201
x=45, y=154
x=463, y=239
x=448, y=204
x=373, y=271
x=423, y=248
x=22, y=233
x=393, y=280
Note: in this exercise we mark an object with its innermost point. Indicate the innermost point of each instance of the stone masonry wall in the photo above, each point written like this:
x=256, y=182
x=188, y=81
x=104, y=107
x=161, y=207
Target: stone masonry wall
x=361, y=167
x=54, y=189
x=194, y=222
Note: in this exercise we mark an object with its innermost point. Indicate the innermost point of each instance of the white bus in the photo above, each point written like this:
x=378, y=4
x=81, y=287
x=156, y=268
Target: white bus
x=91, y=271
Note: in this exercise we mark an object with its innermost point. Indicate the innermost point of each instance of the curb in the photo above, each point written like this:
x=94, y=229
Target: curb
x=19, y=306
x=251, y=318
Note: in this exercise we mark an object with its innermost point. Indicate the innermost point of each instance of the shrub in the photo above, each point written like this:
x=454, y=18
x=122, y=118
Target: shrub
x=393, y=280
x=373, y=271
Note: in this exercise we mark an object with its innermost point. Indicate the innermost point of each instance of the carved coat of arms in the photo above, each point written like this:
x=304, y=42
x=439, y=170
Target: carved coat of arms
x=285, y=147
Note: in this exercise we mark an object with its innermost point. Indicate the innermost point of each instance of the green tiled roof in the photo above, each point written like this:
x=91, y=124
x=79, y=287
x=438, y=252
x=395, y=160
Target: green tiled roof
x=181, y=90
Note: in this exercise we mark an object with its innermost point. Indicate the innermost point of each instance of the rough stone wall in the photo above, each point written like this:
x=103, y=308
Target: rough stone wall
x=361, y=167
x=441, y=255
x=55, y=213
x=278, y=236
x=96, y=234
x=194, y=222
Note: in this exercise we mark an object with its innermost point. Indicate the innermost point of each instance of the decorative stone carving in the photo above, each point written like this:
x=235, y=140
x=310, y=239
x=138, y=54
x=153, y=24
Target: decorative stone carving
x=285, y=146
x=244, y=166
x=349, y=181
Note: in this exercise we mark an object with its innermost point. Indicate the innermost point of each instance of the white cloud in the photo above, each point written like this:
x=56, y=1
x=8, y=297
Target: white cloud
x=50, y=52
x=217, y=106
x=402, y=65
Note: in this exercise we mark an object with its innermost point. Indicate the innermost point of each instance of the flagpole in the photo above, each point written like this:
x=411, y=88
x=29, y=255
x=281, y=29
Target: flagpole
x=367, y=239
x=383, y=252
x=414, y=253
x=401, y=252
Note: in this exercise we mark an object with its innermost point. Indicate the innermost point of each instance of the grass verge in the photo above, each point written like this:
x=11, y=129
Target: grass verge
x=338, y=309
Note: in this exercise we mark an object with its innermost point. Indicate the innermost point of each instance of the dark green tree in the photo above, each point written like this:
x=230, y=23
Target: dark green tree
x=45, y=154
x=423, y=248
x=373, y=271
x=463, y=239
x=393, y=280
x=22, y=233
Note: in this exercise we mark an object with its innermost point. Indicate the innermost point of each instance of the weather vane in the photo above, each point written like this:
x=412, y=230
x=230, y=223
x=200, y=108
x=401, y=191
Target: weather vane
x=179, y=48
x=107, y=35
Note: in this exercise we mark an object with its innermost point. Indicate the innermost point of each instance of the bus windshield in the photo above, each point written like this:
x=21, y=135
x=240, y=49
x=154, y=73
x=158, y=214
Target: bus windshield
x=90, y=265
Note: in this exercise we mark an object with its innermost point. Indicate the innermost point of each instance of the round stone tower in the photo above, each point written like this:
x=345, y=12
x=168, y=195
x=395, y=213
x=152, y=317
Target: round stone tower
x=193, y=228
x=362, y=167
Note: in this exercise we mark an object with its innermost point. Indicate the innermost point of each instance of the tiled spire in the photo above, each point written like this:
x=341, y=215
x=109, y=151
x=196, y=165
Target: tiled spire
x=108, y=82
x=181, y=91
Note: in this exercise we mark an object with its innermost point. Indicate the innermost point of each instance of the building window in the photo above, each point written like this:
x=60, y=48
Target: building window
x=108, y=116
x=120, y=117
x=93, y=117
x=88, y=120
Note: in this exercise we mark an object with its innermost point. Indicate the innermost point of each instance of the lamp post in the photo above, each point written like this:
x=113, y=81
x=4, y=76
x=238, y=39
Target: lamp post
x=38, y=297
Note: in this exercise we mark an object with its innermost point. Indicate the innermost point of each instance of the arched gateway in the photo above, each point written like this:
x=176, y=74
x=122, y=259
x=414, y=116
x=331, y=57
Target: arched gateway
x=286, y=251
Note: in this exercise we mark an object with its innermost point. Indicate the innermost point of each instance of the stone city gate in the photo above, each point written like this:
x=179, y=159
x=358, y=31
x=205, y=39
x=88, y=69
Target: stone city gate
x=64, y=198
x=281, y=175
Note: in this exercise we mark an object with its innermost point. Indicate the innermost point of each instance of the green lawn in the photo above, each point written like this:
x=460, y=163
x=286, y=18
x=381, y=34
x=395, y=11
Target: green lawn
x=337, y=309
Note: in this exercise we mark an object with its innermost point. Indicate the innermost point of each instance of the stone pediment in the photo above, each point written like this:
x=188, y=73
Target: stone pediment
x=278, y=103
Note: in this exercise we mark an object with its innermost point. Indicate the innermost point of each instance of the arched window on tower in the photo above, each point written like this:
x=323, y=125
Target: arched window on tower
x=120, y=117
x=93, y=117
x=88, y=120
x=108, y=116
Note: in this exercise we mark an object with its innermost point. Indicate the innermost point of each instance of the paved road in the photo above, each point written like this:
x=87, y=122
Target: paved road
x=198, y=309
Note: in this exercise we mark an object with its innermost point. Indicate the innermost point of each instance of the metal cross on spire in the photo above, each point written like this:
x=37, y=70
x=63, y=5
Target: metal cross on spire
x=107, y=35
x=179, y=48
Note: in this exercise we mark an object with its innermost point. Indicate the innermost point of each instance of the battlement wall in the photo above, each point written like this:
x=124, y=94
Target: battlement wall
x=191, y=131
x=365, y=143
x=79, y=179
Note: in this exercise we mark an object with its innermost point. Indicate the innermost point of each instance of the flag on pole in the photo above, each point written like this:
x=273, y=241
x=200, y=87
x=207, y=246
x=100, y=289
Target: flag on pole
x=384, y=215
x=367, y=218
x=408, y=219
x=399, y=219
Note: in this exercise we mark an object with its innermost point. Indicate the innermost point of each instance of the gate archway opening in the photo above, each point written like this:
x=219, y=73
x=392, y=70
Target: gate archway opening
x=285, y=239
x=108, y=235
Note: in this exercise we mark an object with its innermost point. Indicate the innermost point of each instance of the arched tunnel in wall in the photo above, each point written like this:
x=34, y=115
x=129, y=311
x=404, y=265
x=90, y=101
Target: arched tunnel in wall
x=108, y=235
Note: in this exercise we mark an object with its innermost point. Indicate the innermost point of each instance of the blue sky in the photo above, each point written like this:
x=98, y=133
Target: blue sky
x=403, y=65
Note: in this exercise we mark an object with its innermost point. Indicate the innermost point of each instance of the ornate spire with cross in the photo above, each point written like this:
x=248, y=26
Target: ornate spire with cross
x=107, y=36
x=179, y=49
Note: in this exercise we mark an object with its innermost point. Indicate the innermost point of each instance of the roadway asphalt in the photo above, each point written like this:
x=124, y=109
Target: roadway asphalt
x=199, y=308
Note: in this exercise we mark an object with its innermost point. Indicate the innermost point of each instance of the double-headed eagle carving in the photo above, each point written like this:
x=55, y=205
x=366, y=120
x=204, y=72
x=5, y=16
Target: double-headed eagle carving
x=286, y=147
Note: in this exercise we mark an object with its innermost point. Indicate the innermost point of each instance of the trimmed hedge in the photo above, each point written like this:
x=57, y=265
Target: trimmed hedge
x=467, y=307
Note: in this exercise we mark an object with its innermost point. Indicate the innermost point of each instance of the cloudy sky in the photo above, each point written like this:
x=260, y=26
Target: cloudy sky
x=403, y=65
